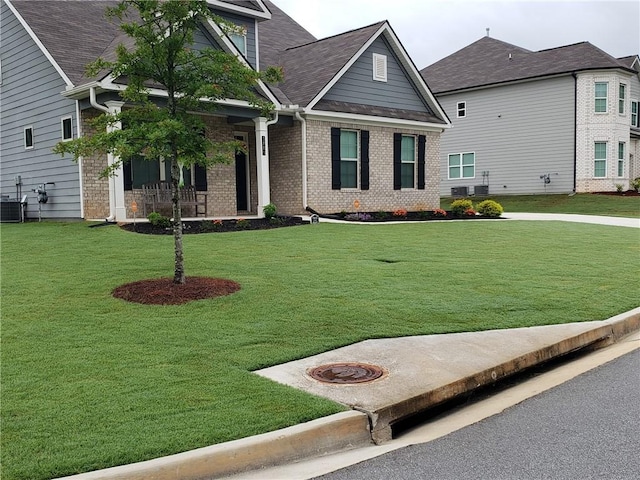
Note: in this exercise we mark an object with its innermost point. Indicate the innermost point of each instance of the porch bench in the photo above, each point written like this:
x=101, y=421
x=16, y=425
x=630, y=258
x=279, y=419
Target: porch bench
x=158, y=195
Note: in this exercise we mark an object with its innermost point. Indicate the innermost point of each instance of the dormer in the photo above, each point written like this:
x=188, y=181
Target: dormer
x=245, y=16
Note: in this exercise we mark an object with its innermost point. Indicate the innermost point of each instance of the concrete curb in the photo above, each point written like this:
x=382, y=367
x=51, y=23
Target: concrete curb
x=341, y=431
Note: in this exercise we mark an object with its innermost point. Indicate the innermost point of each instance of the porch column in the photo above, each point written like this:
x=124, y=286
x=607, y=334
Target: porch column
x=262, y=161
x=116, y=182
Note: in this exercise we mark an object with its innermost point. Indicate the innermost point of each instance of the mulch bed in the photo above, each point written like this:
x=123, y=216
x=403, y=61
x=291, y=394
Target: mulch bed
x=217, y=226
x=162, y=291
x=628, y=193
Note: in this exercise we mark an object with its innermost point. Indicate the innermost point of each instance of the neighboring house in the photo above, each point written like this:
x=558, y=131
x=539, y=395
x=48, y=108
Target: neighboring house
x=555, y=121
x=354, y=120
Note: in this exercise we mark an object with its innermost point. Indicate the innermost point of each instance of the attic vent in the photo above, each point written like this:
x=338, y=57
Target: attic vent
x=379, y=67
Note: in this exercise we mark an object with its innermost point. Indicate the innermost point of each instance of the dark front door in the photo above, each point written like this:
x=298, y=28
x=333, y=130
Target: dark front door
x=241, y=180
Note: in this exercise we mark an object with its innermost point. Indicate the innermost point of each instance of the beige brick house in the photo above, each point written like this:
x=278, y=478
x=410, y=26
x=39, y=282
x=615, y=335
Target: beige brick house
x=353, y=118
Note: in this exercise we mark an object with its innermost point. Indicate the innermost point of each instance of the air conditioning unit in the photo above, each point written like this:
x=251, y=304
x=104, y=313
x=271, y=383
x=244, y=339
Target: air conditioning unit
x=9, y=210
x=481, y=190
x=459, y=191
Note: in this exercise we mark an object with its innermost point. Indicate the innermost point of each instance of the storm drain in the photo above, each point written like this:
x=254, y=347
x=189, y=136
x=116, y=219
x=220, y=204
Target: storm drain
x=346, y=373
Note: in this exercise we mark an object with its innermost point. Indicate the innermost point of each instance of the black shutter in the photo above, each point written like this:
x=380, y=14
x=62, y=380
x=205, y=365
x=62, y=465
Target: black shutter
x=364, y=160
x=335, y=158
x=201, y=178
x=127, y=175
x=422, y=141
x=397, y=165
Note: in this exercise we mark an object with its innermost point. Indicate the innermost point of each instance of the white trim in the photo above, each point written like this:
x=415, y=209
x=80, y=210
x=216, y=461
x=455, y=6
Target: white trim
x=375, y=121
x=379, y=67
x=605, y=159
x=40, y=45
x=464, y=109
x=24, y=138
x=257, y=45
x=62, y=120
x=406, y=62
x=228, y=7
x=596, y=98
x=461, y=177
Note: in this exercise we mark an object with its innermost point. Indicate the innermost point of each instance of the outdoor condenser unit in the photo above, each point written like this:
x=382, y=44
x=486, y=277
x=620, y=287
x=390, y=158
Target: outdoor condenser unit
x=481, y=190
x=459, y=191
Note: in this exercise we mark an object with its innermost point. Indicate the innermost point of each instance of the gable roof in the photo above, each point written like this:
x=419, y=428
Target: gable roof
x=632, y=61
x=489, y=61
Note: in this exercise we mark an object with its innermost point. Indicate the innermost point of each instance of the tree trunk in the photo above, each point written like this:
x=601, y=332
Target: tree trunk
x=178, y=276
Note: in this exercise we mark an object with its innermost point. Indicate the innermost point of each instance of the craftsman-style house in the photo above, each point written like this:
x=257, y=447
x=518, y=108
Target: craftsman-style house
x=560, y=120
x=353, y=120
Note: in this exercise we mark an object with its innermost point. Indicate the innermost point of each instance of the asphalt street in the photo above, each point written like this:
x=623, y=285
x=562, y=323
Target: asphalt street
x=586, y=428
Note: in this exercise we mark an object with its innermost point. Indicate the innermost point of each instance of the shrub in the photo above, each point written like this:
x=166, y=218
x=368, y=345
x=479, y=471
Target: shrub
x=423, y=214
x=212, y=226
x=470, y=212
x=400, y=212
x=438, y=212
x=381, y=215
x=490, y=208
x=242, y=224
x=636, y=184
x=459, y=207
x=269, y=210
x=158, y=220
x=619, y=187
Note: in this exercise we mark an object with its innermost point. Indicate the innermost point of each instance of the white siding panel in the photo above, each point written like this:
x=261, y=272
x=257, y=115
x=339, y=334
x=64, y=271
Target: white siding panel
x=518, y=132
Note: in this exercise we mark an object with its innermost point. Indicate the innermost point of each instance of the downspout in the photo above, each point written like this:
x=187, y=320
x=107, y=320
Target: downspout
x=304, y=158
x=112, y=186
x=575, y=131
x=80, y=170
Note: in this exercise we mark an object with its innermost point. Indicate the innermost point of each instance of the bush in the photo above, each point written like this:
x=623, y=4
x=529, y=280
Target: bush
x=269, y=210
x=636, y=184
x=242, y=224
x=400, y=212
x=158, y=220
x=381, y=215
x=459, y=207
x=490, y=208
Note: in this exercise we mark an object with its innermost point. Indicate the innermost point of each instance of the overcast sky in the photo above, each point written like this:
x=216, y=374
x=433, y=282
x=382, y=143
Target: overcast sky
x=433, y=29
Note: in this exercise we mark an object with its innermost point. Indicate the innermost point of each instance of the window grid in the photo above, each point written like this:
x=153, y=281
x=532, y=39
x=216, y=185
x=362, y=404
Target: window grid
x=621, y=98
x=621, y=149
x=634, y=114
x=601, y=97
x=348, y=159
x=600, y=162
x=462, y=165
x=462, y=109
x=408, y=161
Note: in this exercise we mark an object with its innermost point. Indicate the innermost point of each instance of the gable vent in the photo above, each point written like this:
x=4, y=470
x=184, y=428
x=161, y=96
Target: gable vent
x=379, y=67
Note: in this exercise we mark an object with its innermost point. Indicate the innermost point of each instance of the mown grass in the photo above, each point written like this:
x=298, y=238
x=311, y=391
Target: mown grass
x=89, y=381
x=582, y=203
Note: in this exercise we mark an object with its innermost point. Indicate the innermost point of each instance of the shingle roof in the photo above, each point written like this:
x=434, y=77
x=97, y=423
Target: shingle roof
x=630, y=60
x=278, y=34
x=251, y=5
x=489, y=61
x=75, y=33
x=309, y=68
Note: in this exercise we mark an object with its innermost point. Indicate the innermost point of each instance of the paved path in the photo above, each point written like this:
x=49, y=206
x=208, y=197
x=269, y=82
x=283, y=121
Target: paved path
x=596, y=219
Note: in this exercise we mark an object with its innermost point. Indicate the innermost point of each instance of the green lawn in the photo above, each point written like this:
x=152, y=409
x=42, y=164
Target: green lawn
x=582, y=203
x=89, y=381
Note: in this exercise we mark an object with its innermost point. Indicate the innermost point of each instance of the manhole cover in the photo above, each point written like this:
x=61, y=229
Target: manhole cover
x=346, y=373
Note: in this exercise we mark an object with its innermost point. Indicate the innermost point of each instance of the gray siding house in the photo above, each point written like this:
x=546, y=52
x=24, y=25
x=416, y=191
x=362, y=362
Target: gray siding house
x=555, y=121
x=354, y=120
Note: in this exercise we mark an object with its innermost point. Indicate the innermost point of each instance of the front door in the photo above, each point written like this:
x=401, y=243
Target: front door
x=242, y=178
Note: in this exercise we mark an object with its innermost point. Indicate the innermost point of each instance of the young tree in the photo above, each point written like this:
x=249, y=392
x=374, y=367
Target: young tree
x=161, y=56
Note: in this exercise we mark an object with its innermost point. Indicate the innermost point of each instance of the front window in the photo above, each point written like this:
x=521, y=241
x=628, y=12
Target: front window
x=600, y=163
x=408, y=161
x=462, y=109
x=143, y=171
x=462, y=165
x=621, y=98
x=348, y=159
x=621, y=159
x=634, y=115
x=601, y=97
x=238, y=35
